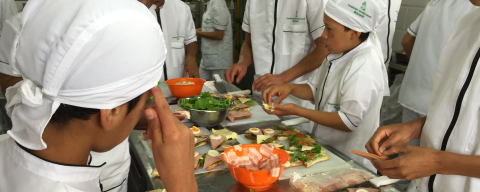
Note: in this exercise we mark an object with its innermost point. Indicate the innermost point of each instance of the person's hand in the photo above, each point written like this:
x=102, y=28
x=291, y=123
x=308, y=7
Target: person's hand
x=172, y=146
x=417, y=162
x=238, y=70
x=281, y=92
x=191, y=68
x=391, y=135
x=267, y=80
x=283, y=110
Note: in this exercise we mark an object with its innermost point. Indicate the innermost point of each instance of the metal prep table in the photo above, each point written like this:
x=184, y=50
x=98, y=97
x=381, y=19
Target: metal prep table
x=220, y=180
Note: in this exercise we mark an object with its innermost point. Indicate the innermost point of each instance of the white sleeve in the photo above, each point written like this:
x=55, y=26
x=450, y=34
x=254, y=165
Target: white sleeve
x=190, y=31
x=6, y=41
x=315, y=10
x=413, y=29
x=360, y=90
x=8, y=9
x=221, y=15
x=246, y=18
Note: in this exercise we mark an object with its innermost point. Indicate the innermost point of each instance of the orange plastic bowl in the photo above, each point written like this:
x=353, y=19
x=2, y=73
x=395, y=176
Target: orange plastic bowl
x=259, y=179
x=181, y=91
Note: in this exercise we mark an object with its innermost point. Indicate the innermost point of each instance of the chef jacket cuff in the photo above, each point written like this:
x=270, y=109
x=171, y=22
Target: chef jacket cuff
x=220, y=27
x=7, y=69
x=349, y=122
x=317, y=32
x=246, y=27
x=190, y=40
x=411, y=32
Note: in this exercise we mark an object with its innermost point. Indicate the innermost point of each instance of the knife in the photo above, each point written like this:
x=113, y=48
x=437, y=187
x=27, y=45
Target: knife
x=222, y=86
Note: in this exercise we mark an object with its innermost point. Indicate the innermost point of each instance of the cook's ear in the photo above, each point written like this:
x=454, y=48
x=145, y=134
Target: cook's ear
x=108, y=116
x=355, y=34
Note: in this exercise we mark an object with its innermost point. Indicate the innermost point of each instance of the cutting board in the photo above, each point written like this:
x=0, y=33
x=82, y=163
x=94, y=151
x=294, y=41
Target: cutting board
x=258, y=115
x=168, y=94
x=318, y=167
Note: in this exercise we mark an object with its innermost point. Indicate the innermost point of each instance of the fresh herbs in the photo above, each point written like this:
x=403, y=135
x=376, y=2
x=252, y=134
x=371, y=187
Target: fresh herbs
x=251, y=134
x=294, y=158
x=205, y=102
x=270, y=140
x=292, y=137
x=283, y=128
x=202, y=160
x=196, y=145
x=199, y=136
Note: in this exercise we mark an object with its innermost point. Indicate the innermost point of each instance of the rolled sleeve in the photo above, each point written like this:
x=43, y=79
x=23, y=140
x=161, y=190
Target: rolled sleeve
x=315, y=12
x=190, y=32
x=246, y=18
x=413, y=29
x=221, y=15
x=351, y=122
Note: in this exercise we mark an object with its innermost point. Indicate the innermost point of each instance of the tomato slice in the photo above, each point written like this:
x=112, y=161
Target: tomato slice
x=310, y=155
x=287, y=133
x=301, y=136
x=306, y=143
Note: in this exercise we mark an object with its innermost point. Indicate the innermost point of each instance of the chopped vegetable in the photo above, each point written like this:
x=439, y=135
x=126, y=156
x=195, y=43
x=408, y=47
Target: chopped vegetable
x=202, y=160
x=205, y=102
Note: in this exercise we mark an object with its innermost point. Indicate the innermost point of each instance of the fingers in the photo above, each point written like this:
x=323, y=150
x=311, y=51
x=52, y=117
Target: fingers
x=259, y=80
x=227, y=75
x=167, y=123
x=397, y=150
x=280, y=98
x=185, y=73
x=153, y=131
x=240, y=74
x=271, y=93
x=374, y=142
x=386, y=164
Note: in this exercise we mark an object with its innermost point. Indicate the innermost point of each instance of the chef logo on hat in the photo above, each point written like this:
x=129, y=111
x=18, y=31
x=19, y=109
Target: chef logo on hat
x=360, y=12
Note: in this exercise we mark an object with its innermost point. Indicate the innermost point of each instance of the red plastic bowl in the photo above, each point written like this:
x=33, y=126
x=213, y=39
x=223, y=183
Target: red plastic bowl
x=255, y=179
x=181, y=91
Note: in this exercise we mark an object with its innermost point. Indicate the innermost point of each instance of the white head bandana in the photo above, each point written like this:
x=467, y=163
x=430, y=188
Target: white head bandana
x=89, y=53
x=362, y=16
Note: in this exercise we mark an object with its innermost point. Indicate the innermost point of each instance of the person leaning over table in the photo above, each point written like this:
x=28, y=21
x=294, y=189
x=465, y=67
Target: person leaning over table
x=283, y=41
x=349, y=87
x=176, y=22
x=58, y=128
x=217, y=40
x=448, y=158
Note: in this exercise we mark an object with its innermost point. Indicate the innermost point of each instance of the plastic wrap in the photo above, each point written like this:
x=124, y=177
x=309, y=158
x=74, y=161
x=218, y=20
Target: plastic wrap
x=339, y=177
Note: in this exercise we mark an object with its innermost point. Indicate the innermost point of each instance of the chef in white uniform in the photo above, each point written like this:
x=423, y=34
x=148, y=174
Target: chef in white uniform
x=8, y=8
x=31, y=107
x=386, y=30
x=217, y=40
x=448, y=158
x=176, y=21
x=423, y=44
x=283, y=41
x=349, y=87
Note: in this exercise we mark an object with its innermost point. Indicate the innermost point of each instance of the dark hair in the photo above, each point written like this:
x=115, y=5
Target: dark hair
x=363, y=36
x=65, y=112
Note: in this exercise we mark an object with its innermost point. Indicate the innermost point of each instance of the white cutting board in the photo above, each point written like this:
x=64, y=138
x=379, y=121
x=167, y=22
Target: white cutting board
x=318, y=167
x=258, y=115
x=202, y=150
x=168, y=94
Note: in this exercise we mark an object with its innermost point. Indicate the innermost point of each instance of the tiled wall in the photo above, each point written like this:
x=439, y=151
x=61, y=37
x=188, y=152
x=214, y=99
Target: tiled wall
x=409, y=11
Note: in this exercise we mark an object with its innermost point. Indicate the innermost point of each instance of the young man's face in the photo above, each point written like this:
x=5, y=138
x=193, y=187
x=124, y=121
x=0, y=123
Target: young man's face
x=336, y=39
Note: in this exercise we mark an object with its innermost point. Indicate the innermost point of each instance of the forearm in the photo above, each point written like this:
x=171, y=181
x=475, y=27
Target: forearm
x=311, y=62
x=211, y=35
x=191, y=50
x=416, y=126
x=457, y=164
x=246, y=54
x=302, y=91
x=408, y=42
x=328, y=119
x=7, y=81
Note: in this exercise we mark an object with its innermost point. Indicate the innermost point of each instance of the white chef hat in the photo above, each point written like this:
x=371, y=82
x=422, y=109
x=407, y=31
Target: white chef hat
x=362, y=16
x=88, y=53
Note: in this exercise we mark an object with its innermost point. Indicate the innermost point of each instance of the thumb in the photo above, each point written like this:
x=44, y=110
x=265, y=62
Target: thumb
x=391, y=141
x=153, y=131
x=278, y=107
x=396, y=150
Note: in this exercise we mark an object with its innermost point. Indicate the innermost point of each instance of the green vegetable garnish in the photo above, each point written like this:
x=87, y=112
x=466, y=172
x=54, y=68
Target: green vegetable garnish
x=269, y=139
x=205, y=102
x=199, y=136
x=202, y=160
x=277, y=127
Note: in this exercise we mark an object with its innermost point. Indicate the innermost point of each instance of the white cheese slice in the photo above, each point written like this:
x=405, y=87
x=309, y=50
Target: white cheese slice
x=268, y=107
x=225, y=132
x=276, y=145
x=261, y=138
x=244, y=100
x=307, y=148
x=290, y=152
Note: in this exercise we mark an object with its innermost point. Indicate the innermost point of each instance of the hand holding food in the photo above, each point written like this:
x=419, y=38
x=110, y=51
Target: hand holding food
x=268, y=80
x=416, y=162
x=389, y=136
x=283, y=110
x=172, y=144
x=282, y=91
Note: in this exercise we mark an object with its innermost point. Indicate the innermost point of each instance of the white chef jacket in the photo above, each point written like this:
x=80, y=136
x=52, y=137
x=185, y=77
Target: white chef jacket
x=8, y=8
x=386, y=30
x=217, y=54
x=283, y=33
x=457, y=79
x=10, y=28
x=353, y=86
x=178, y=30
x=431, y=29
x=22, y=171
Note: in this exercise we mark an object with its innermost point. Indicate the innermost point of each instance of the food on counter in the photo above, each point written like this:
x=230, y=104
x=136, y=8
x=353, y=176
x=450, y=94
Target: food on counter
x=200, y=141
x=225, y=132
x=205, y=102
x=198, y=133
x=228, y=96
x=185, y=83
x=300, y=136
x=263, y=139
x=252, y=133
x=217, y=140
x=287, y=128
x=369, y=156
x=294, y=161
x=271, y=133
x=313, y=156
x=223, y=147
x=182, y=115
x=212, y=160
x=247, y=100
x=198, y=157
x=363, y=190
x=254, y=159
x=238, y=115
x=240, y=107
x=268, y=107
x=297, y=144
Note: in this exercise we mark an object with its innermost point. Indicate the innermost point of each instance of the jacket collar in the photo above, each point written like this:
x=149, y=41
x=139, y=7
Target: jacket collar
x=54, y=171
x=335, y=59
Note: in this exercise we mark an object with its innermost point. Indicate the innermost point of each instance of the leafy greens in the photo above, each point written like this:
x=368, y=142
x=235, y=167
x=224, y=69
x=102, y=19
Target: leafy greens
x=205, y=102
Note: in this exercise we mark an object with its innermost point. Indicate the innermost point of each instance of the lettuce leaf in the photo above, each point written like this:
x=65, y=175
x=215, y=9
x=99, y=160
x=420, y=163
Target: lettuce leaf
x=205, y=102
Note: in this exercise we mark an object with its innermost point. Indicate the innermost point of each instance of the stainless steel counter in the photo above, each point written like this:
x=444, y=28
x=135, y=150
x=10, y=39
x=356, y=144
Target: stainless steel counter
x=221, y=180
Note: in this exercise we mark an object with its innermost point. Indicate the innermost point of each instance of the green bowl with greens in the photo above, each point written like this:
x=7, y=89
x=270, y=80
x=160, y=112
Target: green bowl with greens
x=206, y=110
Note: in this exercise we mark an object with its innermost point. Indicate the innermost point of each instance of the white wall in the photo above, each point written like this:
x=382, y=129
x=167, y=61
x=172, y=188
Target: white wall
x=409, y=11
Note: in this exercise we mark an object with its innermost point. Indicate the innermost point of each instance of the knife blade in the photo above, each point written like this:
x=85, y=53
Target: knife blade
x=219, y=84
